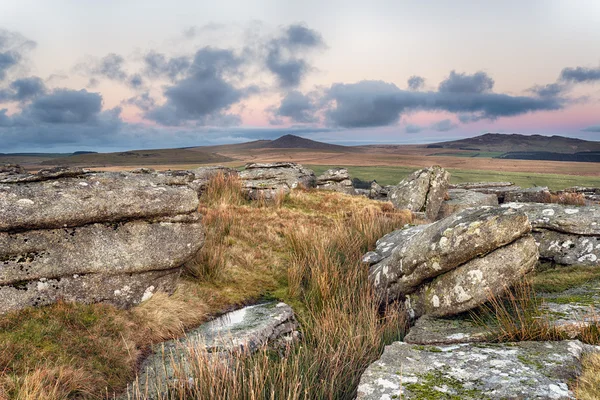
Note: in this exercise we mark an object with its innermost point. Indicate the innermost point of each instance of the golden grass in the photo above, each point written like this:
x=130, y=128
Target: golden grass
x=86, y=351
x=588, y=383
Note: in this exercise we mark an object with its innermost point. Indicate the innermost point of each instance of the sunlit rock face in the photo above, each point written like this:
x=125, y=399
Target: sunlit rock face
x=93, y=237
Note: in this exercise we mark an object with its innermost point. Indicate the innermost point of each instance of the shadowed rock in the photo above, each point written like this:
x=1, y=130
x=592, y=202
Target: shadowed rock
x=460, y=199
x=530, y=195
x=247, y=329
x=423, y=191
x=266, y=181
x=524, y=370
x=429, y=330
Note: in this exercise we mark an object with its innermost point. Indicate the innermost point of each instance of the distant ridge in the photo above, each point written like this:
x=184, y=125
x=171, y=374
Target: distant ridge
x=297, y=142
x=509, y=143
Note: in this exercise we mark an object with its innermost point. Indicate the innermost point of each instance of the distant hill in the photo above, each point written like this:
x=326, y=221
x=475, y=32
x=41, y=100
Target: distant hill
x=140, y=157
x=284, y=142
x=510, y=143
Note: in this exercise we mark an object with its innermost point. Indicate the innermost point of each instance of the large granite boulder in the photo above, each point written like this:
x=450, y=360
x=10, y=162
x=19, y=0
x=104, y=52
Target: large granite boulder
x=203, y=175
x=567, y=235
x=460, y=199
x=453, y=265
x=248, y=329
x=378, y=192
x=423, y=191
x=266, y=181
x=93, y=237
x=473, y=371
x=336, y=179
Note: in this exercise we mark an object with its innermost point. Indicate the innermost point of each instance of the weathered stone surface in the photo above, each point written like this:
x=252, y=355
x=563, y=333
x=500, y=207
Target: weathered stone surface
x=429, y=330
x=566, y=219
x=460, y=199
x=336, y=179
x=20, y=175
x=472, y=284
x=524, y=370
x=444, y=245
x=568, y=249
x=90, y=198
x=10, y=170
x=123, y=290
x=480, y=185
x=378, y=192
x=568, y=235
x=424, y=190
x=110, y=249
x=265, y=181
x=499, y=191
x=272, y=324
x=386, y=245
x=539, y=194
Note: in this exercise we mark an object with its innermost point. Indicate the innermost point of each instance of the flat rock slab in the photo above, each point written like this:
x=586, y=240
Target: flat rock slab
x=539, y=194
x=110, y=249
x=560, y=218
x=429, y=330
x=122, y=290
x=90, y=198
x=460, y=199
x=473, y=371
x=480, y=185
x=568, y=249
x=499, y=191
x=266, y=180
x=247, y=329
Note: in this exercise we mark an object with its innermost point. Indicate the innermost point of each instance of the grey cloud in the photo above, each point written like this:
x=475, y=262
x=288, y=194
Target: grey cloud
x=27, y=88
x=377, y=103
x=158, y=64
x=479, y=82
x=416, y=82
x=283, y=58
x=136, y=81
x=580, y=74
x=111, y=67
x=296, y=106
x=143, y=101
x=593, y=128
x=65, y=106
x=444, y=125
x=549, y=90
x=411, y=128
x=12, y=48
x=204, y=93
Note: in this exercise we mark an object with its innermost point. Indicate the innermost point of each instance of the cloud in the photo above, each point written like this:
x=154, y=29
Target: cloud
x=444, y=125
x=297, y=107
x=593, y=128
x=411, y=128
x=580, y=74
x=284, y=54
x=378, y=103
x=549, y=90
x=205, y=93
x=479, y=82
x=12, y=48
x=111, y=67
x=64, y=106
x=27, y=88
x=416, y=82
x=159, y=65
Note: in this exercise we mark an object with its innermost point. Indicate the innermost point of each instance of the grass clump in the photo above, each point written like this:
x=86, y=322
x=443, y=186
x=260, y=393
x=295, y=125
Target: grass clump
x=557, y=280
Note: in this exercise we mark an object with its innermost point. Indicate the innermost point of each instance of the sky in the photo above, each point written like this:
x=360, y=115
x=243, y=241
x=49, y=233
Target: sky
x=113, y=75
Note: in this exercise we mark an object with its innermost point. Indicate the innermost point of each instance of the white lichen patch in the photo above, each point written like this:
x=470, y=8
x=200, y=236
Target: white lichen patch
x=25, y=202
x=148, y=293
x=571, y=211
x=435, y=301
x=461, y=294
x=548, y=212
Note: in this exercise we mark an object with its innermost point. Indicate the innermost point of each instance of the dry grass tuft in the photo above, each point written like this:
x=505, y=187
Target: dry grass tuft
x=567, y=198
x=223, y=189
x=516, y=316
x=587, y=386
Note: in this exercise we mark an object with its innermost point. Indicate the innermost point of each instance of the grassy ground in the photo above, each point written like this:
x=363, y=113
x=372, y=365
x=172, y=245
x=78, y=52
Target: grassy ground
x=303, y=249
x=393, y=175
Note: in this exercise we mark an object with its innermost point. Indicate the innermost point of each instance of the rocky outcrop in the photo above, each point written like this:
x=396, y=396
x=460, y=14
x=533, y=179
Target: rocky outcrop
x=378, y=192
x=203, y=175
x=566, y=235
x=265, y=181
x=429, y=330
x=93, y=237
x=538, y=194
x=591, y=195
x=248, y=329
x=460, y=199
x=336, y=179
x=423, y=191
x=453, y=265
x=523, y=370
x=500, y=191
x=480, y=185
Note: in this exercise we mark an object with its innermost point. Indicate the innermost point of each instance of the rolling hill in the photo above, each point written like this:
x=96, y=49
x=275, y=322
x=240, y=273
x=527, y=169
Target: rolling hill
x=510, y=143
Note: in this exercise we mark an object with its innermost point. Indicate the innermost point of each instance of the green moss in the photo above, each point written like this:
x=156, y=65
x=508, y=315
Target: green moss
x=425, y=389
x=555, y=280
x=528, y=361
x=431, y=349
